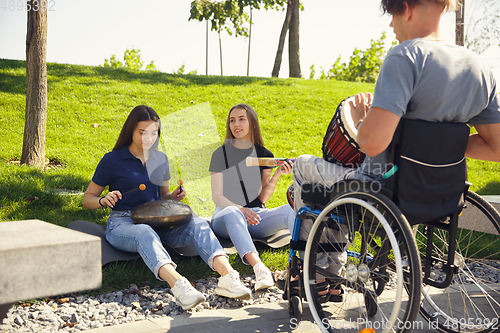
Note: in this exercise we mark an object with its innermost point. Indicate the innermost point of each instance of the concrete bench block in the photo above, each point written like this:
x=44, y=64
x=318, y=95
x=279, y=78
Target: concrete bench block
x=474, y=220
x=39, y=259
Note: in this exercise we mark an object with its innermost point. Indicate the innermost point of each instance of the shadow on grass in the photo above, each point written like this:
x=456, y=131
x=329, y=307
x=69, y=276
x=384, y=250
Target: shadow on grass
x=492, y=188
x=57, y=72
x=28, y=193
x=13, y=83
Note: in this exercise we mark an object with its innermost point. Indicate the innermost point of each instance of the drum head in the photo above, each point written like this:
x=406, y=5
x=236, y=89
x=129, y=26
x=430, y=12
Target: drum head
x=345, y=116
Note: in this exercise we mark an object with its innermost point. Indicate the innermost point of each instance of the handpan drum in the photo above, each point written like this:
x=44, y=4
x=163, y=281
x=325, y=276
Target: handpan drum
x=162, y=214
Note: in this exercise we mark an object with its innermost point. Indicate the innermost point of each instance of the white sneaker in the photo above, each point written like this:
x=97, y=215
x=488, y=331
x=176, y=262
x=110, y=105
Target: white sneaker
x=185, y=294
x=230, y=286
x=263, y=277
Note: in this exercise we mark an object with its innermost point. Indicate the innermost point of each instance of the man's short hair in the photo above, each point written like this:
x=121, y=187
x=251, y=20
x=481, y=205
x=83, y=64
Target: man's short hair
x=395, y=7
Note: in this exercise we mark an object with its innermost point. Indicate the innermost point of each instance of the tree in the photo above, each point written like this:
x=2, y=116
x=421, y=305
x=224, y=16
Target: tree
x=459, y=23
x=281, y=41
x=363, y=66
x=35, y=124
x=131, y=59
x=483, y=25
x=230, y=16
x=293, y=41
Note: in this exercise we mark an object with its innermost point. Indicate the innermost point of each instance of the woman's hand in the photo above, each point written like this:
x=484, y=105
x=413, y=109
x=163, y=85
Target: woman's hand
x=360, y=108
x=285, y=168
x=179, y=193
x=252, y=217
x=110, y=199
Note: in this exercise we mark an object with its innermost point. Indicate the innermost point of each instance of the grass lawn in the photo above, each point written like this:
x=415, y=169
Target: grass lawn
x=87, y=107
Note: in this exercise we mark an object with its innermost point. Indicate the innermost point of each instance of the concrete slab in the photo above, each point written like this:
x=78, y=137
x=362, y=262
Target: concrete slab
x=40, y=259
x=474, y=219
x=262, y=318
x=493, y=199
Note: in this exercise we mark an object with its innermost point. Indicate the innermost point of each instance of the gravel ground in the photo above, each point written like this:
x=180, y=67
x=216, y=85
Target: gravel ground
x=74, y=314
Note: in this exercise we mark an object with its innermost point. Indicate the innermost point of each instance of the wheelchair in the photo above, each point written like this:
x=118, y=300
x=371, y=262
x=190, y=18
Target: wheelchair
x=402, y=258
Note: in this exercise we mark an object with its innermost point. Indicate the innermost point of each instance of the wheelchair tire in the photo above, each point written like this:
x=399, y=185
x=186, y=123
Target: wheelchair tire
x=472, y=302
x=381, y=281
x=295, y=309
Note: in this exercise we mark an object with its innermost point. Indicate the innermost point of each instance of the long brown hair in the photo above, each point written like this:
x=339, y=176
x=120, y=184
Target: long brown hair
x=253, y=122
x=395, y=7
x=139, y=113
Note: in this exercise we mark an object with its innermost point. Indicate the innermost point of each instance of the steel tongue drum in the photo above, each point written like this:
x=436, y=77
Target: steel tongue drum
x=162, y=214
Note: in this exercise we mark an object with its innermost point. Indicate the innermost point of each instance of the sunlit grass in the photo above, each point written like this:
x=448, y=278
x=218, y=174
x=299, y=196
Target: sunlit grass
x=87, y=107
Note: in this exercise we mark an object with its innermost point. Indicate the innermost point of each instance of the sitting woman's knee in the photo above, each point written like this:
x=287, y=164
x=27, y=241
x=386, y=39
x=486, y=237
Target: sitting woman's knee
x=232, y=214
x=144, y=232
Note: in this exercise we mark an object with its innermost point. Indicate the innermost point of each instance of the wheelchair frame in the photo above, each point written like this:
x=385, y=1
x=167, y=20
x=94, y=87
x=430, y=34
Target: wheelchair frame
x=448, y=266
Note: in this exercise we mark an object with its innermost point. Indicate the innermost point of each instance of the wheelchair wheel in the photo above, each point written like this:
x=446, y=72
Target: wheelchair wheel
x=295, y=309
x=381, y=282
x=472, y=302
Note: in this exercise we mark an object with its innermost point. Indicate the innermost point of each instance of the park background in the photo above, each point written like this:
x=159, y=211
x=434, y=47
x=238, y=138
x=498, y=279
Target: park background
x=88, y=32
x=88, y=103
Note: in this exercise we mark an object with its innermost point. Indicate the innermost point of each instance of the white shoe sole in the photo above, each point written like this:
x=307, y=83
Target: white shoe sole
x=262, y=285
x=226, y=293
x=190, y=306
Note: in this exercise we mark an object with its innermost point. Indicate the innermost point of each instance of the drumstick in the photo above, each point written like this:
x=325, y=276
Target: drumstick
x=141, y=187
x=267, y=161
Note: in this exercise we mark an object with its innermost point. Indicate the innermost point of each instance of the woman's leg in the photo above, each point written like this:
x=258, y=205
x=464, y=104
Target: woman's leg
x=124, y=235
x=272, y=221
x=198, y=234
x=231, y=223
x=141, y=238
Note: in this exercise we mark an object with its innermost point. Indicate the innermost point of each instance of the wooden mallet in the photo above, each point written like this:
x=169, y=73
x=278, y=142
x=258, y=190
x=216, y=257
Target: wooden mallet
x=141, y=187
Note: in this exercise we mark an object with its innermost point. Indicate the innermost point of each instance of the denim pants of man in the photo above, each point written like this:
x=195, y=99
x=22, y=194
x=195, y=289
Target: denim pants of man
x=231, y=223
x=124, y=235
x=309, y=169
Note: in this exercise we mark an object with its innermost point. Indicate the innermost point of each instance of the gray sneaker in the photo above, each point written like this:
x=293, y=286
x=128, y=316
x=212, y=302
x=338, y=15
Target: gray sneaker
x=185, y=294
x=230, y=286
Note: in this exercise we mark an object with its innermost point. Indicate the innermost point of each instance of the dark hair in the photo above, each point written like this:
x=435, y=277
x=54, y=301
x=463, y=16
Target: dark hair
x=139, y=113
x=395, y=7
x=253, y=122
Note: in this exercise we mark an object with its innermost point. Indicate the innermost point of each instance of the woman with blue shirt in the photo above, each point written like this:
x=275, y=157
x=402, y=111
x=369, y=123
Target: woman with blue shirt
x=135, y=160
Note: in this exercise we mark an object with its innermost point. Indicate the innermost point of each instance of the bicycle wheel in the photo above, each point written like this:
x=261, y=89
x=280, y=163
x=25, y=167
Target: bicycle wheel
x=472, y=302
x=381, y=281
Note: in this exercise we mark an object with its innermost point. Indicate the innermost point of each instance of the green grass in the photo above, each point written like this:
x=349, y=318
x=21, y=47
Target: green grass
x=293, y=114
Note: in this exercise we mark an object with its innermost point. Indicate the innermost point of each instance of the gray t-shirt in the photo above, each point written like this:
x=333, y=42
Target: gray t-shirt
x=432, y=81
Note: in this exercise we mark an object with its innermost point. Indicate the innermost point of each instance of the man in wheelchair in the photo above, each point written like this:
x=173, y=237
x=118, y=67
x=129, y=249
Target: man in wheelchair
x=426, y=94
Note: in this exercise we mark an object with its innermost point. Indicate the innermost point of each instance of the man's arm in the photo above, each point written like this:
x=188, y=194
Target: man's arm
x=485, y=144
x=376, y=131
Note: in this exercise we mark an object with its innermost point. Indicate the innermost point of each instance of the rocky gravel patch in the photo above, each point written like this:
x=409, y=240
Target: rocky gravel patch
x=74, y=314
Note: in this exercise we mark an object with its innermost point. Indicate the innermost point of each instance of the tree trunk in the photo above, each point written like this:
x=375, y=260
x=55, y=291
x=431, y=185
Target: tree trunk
x=220, y=52
x=281, y=43
x=459, y=29
x=36, y=90
x=293, y=42
x=249, y=41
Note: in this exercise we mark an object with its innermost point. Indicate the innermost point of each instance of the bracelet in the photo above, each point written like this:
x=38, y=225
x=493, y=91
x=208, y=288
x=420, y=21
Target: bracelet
x=100, y=203
x=359, y=123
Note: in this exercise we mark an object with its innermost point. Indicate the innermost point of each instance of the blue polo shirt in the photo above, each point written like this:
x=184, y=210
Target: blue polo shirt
x=123, y=172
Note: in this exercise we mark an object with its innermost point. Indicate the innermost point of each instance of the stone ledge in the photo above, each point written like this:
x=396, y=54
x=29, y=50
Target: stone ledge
x=40, y=259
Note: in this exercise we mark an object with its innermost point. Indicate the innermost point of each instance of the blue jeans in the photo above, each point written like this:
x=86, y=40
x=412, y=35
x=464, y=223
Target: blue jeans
x=124, y=235
x=231, y=223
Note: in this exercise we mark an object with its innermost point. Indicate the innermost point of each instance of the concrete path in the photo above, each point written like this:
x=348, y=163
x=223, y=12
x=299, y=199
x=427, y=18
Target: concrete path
x=263, y=318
